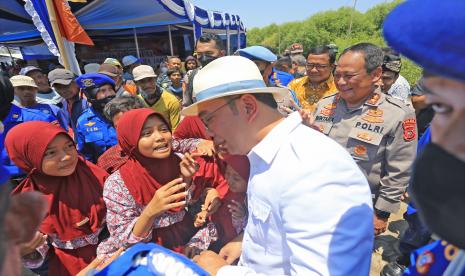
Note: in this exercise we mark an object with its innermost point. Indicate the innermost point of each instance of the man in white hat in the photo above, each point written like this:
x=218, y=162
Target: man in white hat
x=309, y=205
x=155, y=97
x=26, y=94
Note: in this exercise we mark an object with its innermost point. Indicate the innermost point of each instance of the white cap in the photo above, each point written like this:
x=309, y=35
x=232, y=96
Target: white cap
x=20, y=80
x=142, y=72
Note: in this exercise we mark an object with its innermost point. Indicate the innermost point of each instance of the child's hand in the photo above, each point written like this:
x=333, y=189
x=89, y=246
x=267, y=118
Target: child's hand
x=200, y=219
x=189, y=166
x=237, y=210
x=212, y=202
x=30, y=247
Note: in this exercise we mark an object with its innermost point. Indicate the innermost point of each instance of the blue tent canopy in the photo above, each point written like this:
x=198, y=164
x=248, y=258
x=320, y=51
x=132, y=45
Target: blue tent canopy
x=16, y=25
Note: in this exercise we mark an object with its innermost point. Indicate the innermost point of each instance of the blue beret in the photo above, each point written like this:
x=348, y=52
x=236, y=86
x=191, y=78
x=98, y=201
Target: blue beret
x=257, y=53
x=94, y=80
x=431, y=33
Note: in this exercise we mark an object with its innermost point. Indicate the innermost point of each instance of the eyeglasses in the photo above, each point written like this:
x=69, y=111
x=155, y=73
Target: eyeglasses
x=317, y=66
x=206, y=118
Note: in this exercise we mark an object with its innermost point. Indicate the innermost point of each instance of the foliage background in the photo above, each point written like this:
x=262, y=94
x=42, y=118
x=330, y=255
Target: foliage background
x=332, y=27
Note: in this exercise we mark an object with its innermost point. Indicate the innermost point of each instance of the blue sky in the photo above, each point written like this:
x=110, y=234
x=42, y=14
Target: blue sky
x=259, y=13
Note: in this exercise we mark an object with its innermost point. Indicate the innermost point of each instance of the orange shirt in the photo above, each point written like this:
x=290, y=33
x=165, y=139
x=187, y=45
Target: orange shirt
x=309, y=94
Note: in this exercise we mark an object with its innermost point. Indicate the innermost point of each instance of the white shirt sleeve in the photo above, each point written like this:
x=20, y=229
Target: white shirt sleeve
x=231, y=270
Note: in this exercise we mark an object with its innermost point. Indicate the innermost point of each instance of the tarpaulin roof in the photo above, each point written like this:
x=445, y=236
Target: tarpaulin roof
x=16, y=24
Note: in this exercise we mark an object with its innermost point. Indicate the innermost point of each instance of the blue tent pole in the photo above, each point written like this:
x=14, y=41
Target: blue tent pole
x=137, y=43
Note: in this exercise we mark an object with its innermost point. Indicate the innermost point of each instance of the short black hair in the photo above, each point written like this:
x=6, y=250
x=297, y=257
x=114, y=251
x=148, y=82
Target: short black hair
x=168, y=58
x=266, y=98
x=7, y=94
x=207, y=37
x=284, y=61
x=323, y=49
x=121, y=104
x=373, y=55
x=172, y=71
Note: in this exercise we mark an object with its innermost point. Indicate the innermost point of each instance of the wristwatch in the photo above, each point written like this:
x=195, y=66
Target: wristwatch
x=382, y=214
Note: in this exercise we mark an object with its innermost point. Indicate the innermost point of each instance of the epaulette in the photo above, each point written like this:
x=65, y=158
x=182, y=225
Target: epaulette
x=398, y=103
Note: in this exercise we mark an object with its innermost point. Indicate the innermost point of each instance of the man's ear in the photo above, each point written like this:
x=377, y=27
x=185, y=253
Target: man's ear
x=250, y=106
x=376, y=74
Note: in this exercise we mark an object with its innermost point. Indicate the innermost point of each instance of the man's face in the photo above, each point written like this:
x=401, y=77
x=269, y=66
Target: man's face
x=265, y=69
x=67, y=91
x=447, y=98
x=223, y=124
x=26, y=95
x=104, y=91
x=352, y=80
x=388, y=78
x=318, y=68
x=148, y=85
x=174, y=63
x=207, y=49
x=41, y=80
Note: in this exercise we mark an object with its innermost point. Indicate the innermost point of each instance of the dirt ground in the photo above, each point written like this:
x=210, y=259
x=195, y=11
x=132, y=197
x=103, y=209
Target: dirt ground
x=385, y=245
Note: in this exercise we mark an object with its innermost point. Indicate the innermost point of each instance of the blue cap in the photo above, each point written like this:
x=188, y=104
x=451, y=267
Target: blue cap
x=257, y=53
x=128, y=60
x=431, y=33
x=93, y=80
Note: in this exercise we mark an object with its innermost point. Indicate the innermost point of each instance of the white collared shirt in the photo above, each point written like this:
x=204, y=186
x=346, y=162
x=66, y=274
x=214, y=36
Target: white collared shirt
x=310, y=207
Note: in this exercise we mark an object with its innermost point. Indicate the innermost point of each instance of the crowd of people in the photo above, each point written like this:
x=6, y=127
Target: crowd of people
x=250, y=164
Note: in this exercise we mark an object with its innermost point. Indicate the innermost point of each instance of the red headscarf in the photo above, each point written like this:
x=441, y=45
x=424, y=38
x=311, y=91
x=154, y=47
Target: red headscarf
x=143, y=176
x=191, y=127
x=72, y=199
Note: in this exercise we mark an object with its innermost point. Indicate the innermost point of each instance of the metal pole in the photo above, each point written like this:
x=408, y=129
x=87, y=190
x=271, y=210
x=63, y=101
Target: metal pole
x=238, y=38
x=171, y=40
x=137, y=43
x=11, y=56
x=56, y=32
x=351, y=19
x=228, y=41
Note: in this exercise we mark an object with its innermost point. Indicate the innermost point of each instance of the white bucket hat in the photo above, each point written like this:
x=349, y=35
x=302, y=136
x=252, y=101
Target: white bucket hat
x=227, y=76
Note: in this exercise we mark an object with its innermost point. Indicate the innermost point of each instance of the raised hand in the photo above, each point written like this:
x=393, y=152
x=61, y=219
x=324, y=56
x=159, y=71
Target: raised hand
x=166, y=198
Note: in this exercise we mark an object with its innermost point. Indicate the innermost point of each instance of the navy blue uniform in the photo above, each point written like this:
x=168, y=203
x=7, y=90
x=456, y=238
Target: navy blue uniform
x=94, y=135
x=17, y=116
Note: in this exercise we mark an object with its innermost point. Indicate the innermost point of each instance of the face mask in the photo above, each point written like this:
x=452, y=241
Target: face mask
x=206, y=59
x=438, y=191
x=98, y=105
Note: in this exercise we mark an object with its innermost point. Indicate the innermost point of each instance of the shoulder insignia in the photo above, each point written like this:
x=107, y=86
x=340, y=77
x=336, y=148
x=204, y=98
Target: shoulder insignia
x=374, y=99
x=372, y=119
x=330, y=106
x=89, y=124
x=15, y=116
x=327, y=112
x=365, y=136
x=409, y=126
x=375, y=112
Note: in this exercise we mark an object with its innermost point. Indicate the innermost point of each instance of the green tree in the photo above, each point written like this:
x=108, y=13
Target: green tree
x=332, y=27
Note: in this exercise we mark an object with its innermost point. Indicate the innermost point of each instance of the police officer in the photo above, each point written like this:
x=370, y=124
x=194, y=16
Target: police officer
x=94, y=133
x=12, y=115
x=378, y=130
